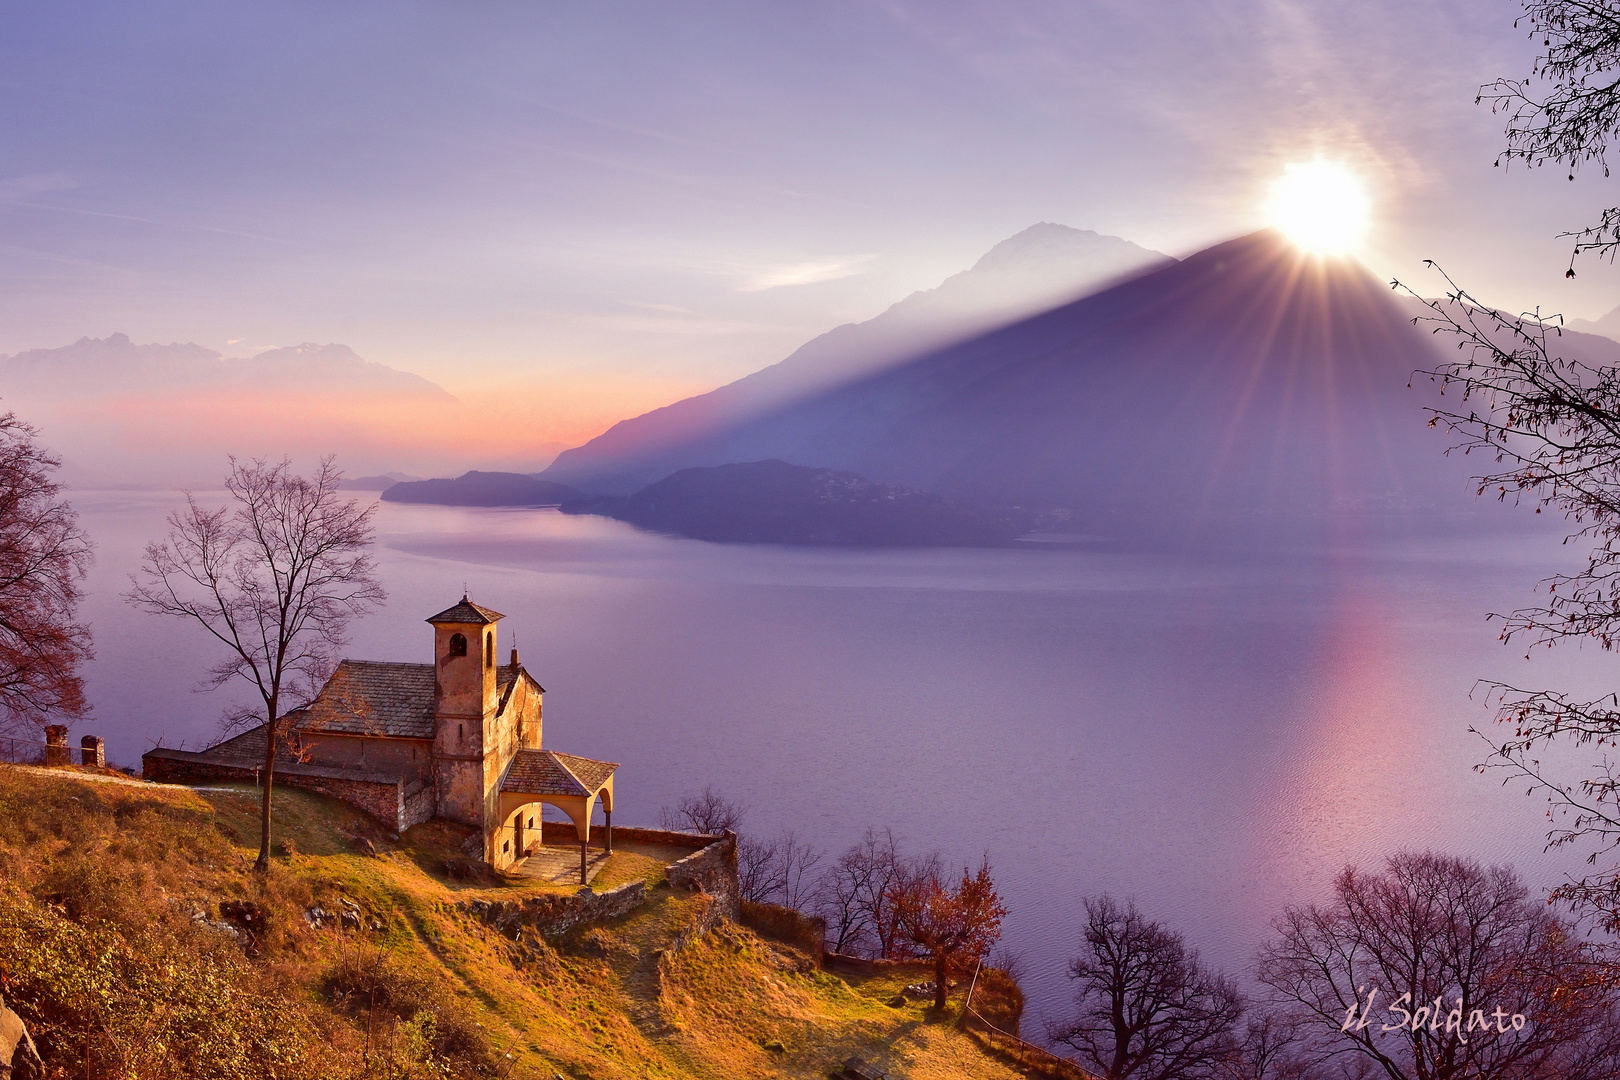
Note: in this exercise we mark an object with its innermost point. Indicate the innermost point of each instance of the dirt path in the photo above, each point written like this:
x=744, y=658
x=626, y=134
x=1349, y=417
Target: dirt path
x=68, y=774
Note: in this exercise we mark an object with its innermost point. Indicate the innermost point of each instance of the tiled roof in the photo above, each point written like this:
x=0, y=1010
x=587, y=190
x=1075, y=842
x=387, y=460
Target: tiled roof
x=247, y=749
x=369, y=697
x=593, y=774
x=542, y=772
x=467, y=612
x=365, y=697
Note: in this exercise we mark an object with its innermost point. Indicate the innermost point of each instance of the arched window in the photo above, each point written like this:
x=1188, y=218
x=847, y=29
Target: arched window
x=458, y=645
x=489, y=649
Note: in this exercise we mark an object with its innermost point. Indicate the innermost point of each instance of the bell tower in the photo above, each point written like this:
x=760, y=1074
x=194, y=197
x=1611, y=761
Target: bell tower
x=464, y=708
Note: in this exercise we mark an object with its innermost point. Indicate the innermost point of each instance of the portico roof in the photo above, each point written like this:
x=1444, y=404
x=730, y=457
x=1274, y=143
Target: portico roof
x=545, y=772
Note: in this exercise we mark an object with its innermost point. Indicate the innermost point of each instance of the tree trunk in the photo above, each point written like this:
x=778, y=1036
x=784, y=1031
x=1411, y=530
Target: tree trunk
x=941, y=965
x=267, y=777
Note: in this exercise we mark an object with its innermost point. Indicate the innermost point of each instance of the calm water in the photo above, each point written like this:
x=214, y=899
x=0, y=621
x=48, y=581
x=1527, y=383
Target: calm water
x=1213, y=735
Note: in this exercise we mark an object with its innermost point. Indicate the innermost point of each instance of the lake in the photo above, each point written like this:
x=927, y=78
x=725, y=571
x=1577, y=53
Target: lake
x=1215, y=735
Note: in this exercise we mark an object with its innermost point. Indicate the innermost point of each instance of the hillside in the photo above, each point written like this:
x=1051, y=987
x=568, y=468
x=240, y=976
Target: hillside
x=772, y=502
x=119, y=956
x=480, y=489
x=1042, y=267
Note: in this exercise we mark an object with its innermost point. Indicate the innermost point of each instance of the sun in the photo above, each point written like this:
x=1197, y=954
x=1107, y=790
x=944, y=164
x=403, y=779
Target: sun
x=1322, y=206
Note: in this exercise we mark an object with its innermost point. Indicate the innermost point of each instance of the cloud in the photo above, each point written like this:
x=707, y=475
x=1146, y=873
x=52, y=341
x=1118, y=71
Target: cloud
x=14, y=189
x=807, y=273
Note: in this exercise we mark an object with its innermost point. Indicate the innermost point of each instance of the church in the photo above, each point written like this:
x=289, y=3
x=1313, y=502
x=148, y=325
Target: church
x=460, y=739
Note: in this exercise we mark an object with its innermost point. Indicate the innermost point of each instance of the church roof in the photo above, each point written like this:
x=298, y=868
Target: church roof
x=467, y=612
x=369, y=697
x=545, y=772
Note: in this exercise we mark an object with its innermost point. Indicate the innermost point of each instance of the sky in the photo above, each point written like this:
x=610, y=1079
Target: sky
x=580, y=211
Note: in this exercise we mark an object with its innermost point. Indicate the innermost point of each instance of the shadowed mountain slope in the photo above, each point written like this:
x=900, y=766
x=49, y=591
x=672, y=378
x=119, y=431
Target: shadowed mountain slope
x=481, y=489
x=772, y=502
x=1041, y=267
x=1245, y=383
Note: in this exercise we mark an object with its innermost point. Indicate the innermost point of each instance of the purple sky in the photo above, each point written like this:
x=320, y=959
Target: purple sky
x=633, y=200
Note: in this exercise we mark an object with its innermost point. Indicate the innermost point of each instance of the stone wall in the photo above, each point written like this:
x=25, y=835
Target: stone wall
x=563, y=834
x=384, y=800
x=420, y=804
x=806, y=932
x=860, y=965
x=555, y=914
x=712, y=870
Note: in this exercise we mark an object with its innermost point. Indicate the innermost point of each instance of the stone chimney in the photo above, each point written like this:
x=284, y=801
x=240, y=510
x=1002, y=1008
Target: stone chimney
x=56, y=746
x=92, y=751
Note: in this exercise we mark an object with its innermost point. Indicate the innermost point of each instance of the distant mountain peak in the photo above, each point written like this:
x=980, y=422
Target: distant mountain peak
x=1042, y=267
x=1048, y=240
x=98, y=367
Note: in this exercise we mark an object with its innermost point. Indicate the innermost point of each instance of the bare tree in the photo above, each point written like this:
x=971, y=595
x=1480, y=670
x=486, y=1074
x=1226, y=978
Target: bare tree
x=1147, y=1008
x=950, y=927
x=275, y=578
x=1439, y=968
x=709, y=813
x=756, y=868
x=1550, y=427
x=1274, y=1047
x=796, y=875
x=1575, y=115
x=778, y=870
x=855, y=895
x=43, y=558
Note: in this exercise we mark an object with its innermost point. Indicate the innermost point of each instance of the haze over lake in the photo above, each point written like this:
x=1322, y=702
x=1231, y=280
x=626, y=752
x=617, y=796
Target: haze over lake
x=1216, y=734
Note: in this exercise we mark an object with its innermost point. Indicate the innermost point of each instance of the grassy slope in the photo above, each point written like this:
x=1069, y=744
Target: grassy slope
x=121, y=873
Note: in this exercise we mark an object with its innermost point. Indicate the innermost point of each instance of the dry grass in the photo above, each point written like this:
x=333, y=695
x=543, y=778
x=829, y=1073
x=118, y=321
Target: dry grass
x=428, y=992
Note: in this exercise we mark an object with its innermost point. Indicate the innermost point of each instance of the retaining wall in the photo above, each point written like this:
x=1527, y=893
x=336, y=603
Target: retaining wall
x=385, y=800
x=806, y=932
x=712, y=870
x=555, y=914
x=563, y=834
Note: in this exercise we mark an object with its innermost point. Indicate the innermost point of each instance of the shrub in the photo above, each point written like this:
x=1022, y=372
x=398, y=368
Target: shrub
x=368, y=979
x=146, y=1009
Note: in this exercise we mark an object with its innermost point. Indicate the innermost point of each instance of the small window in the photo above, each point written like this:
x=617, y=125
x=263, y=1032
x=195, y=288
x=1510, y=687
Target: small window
x=461, y=731
x=458, y=645
x=489, y=649
x=506, y=847
x=531, y=823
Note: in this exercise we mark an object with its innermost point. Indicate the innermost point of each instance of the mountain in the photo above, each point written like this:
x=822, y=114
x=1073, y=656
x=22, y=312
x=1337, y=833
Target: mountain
x=481, y=489
x=1245, y=385
x=121, y=413
x=100, y=367
x=1608, y=326
x=772, y=502
x=376, y=483
x=1041, y=267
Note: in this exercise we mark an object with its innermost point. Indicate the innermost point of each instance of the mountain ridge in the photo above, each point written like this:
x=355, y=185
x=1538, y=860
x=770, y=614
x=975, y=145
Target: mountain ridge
x=1244, y=383
x=100, y=366
x=1039, y=267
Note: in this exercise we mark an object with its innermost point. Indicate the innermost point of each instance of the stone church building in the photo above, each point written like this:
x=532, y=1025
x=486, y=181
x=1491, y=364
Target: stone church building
x=460, y=738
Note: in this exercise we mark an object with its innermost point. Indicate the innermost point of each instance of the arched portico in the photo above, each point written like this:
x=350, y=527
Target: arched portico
x=571, y=784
